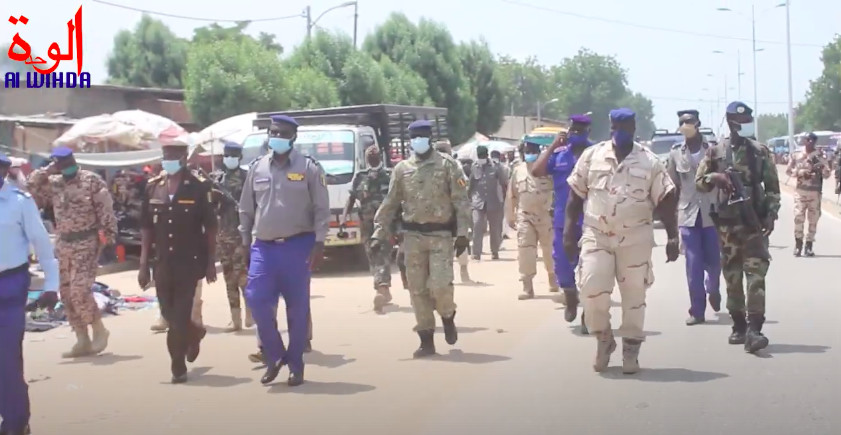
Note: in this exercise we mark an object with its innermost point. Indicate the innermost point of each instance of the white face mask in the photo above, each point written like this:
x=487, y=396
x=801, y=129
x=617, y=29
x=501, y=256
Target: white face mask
x=495, y=160
x=747, y=130
x=482, y=161
x=231, y=162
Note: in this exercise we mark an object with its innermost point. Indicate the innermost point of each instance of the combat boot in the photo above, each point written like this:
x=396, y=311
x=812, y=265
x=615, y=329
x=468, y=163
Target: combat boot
x=249, y=319
x=755, y=340
x=740, y=327
x=160, y=325
x=100, y=337
x=236, y=320
x=553, y=284
x=606, y=346
x=630, y=356
x=528, y=290
x=465, y=276
x=382, y=298
x=427, y=344
x=450, y=331
x=798, y=247
x=809, y=252
x=571, y=298
x=83, y=344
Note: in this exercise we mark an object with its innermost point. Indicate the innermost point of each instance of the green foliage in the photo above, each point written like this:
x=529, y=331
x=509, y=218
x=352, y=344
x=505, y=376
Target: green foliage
x=403, y=85
x=772, y=126
x=311, y=89
x=215, y=32
x=525, y=85
x=822, y=110
x=480, y=68
x=363, y=81
x=325, y=51
x=229, y=77
x=150, y=56
x=644, y=109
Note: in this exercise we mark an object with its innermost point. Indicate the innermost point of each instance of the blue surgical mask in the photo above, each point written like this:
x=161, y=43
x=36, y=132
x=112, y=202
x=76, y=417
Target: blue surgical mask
x=230, y=162
x=623, y=139
x=577, y=139
x=420, y=145
x=171, y=166
x=747, y=130
x=70, y=171
x=280, y=145
x=530, y=158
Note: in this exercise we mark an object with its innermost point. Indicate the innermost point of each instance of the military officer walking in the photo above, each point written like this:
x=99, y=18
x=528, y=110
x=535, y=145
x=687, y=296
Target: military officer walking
x=617, y=185
x=745, y=211
x=285, y=210
x=699, y=236
x=21, y=227
x=811, y=168
x=369, y=187
x=228, y=184
x=487, y=186
x=85, y=223
x=431, y=191
x=444, y=147
x=179, y=224
x=527, y=207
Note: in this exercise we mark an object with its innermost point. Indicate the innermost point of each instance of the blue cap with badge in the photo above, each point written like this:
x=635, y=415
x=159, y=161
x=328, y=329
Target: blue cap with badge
x=421, y=124
x=581, y=119
x=228, y=145
x=739, y=108
x=283, y=119
x=5, y=160
x=623, y=114
x=61, y=153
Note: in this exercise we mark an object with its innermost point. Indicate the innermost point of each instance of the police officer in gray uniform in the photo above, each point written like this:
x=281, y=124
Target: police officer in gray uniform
x=488, y=182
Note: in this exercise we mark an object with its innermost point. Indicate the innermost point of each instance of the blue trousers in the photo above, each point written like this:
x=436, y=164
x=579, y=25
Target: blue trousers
x=564, y=267
x=14, y=393
x=703, y=265
x=281, y=269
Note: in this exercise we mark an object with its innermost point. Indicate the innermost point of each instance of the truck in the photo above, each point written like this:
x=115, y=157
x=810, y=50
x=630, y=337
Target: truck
x=337, y=137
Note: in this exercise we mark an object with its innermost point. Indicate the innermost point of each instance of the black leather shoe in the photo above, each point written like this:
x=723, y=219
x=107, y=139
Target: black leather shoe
x=450, y=331
x=272, y=370
x=571, y=310
x=755, y=341
x=715, y=301
x=295, y=379
x=494, y=256
x=195, y=347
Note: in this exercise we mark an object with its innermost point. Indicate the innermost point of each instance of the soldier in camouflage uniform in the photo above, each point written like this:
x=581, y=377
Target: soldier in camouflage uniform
x=85, y=223
x=369, y=187
x=810, y=167
x=227, y=185
x=432, y=191
x=744, y=226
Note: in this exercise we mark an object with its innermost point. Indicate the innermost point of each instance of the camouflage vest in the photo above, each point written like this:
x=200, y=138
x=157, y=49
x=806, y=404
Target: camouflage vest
x=230, y=183
x=746, y=161
x=371, y=188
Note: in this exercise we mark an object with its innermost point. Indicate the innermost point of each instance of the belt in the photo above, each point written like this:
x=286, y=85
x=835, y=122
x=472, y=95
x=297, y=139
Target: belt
x=76, y=236
x=14, y=270
x=427, y=227
x=282, y=239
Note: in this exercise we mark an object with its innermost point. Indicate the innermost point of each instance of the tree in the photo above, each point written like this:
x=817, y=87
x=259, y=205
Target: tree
x=480, y=69
x=525, y=85
x=644, y=109
x=363, y=81
x=229, y=77
x=150, y=56
x=325, y=51
x=215, y=32
x=822, y=110
x=772, y=125
x=403, y=85
x=311, y=89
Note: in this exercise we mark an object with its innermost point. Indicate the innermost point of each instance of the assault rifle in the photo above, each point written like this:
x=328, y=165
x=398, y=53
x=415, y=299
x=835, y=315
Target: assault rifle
x=740, y=198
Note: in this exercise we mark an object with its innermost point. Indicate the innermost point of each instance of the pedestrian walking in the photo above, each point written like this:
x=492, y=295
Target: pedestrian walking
x=810, y=167
x=527, y=205
x=22, y=228
x=486, y=189
x=745, y=211
x=85, y=223
x=370, y=186
x=617, y=185
x=178, y=230
x=463, y=259
x=558, y=161
x=285, y=208
x=228, y=184
x=697, y=231
x=431, y=191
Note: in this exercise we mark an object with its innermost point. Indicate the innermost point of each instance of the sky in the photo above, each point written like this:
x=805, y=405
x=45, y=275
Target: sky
x=666, y=45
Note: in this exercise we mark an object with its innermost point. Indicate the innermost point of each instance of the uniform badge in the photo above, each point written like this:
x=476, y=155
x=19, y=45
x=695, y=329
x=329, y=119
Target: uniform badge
x=294, y=176
x=461, y=182
x=190, y=201
x=740, y=109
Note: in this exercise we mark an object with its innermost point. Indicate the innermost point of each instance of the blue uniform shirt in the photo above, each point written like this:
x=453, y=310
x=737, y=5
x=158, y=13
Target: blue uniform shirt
x=21, y=226
x=560, y=166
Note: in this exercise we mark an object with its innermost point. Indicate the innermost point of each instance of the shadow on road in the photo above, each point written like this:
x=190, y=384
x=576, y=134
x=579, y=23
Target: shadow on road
x=198, y=377
x=323, y=388
x=826, y=256
x=457, y=356
x=326, y=360
x=462, y=329
x=796, y=348
x=392, y=308
x=472, y=284
x=669, y=375
x=103, y=359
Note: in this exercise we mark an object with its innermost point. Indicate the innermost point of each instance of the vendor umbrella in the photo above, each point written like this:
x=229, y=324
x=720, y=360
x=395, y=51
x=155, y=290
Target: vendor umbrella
x=468, y=150
x=128, y=128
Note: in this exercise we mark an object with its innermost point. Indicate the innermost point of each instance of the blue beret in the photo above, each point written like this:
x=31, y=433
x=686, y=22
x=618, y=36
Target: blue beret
x=5, y=160
x=231, y=145
x=581, y=119
x=623, y=114
x=420, y=124
x=739, y=108
x=61, y=152
x=692, y=112
x=283, y=119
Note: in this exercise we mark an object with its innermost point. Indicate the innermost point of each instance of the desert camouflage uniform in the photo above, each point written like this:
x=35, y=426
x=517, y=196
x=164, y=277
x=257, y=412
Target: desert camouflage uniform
x=83, y=209
x=810, y=170
x=370, y=187
x=231, y=252
x=527, y=204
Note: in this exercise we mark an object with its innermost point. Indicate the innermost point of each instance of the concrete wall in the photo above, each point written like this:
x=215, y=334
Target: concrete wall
x=24, y=101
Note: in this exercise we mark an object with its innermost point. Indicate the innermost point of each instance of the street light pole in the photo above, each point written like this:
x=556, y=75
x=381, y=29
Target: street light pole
x=753, y=42
x=308, y=15
x=790, y=92
x=311, y=23
x=355, y=21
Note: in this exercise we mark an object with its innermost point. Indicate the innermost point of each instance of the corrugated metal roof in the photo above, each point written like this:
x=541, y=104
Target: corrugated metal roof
x=38, y=119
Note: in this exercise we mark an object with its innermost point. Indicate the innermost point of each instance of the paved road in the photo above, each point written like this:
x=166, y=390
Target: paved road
x=518, y=367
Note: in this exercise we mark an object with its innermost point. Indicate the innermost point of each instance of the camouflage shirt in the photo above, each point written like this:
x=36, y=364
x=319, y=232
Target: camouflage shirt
x=227, y=186
x=809, y=169
x=370, y=187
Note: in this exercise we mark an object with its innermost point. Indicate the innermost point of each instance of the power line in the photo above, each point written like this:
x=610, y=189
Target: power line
x=186, y=17
x=647, y=27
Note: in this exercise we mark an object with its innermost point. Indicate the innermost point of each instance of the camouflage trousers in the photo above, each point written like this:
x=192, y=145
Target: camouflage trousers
x=531, y=231
x=807, y=207
x=463, y=260
x=232, y=256
x=744, y=253
x=429, y=269
x=604, y=261
x=77, y=263
x=379, y=260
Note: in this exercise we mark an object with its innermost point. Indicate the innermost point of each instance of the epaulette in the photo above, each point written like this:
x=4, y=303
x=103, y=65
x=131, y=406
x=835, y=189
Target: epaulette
x=312, y=159
x=155, y=179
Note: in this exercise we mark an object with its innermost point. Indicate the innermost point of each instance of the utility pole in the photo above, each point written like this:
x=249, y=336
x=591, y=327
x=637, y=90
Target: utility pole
x=739, y=71
x=308, y=15
x=753, y=39
x=355, y=21
x=790, y=92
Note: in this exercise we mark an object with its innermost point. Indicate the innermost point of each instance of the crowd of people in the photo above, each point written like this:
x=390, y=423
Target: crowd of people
x=588, y=206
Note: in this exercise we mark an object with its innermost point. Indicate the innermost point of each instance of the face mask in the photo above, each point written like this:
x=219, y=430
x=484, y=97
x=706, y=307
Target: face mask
x=171, y=166
x=230, y=162
x=530, y=158
x=623, y=139
x=577, y=139
x=747, y=130
x=482, y=161
x=495, y=160
x=420, y=145
x=688, y=130
x=280, y=145
x=70, y=171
